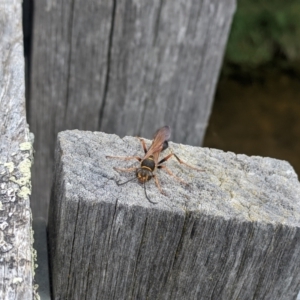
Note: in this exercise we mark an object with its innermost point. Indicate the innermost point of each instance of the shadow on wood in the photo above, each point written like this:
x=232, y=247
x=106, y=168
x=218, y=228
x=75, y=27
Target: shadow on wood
x=233, y=233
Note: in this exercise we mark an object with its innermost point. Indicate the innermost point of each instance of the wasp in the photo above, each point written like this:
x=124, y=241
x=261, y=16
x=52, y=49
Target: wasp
x=150, y=162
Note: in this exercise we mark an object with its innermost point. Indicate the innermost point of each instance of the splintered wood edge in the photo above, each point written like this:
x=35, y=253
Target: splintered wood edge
x=16, y=235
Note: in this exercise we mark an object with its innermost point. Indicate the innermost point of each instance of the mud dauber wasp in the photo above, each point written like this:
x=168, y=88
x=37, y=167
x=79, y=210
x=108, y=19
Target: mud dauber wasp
x=149, y=163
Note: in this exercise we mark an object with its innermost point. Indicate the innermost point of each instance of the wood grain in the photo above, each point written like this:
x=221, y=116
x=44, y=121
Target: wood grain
x=232, y=233
x=16, y=253
x=122, y=67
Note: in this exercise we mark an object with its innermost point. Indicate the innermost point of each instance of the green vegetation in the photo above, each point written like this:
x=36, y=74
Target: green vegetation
x=264, y=32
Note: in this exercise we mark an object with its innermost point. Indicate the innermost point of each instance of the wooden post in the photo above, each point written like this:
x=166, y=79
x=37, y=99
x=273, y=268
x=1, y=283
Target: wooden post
x=16, y=252
x=232, y=233
x=122, y=67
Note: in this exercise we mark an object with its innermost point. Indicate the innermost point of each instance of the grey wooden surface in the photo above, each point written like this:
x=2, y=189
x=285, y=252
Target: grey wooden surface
x=16, y=253
x=122, y=67
x=233, y=233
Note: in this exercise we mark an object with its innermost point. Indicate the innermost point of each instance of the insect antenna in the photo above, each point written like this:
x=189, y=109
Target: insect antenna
x=147, y=195
x=118, y=183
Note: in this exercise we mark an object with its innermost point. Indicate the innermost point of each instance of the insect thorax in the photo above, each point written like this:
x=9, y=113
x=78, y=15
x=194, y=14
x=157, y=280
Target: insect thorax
x=148, y=163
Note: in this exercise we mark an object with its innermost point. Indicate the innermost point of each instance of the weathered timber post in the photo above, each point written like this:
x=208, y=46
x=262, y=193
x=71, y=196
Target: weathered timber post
x=233, y=233
x=16, y=252
x=122, y=67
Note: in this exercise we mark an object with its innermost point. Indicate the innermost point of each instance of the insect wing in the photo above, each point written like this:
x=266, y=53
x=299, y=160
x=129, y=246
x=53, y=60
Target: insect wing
x=160, y=136
x=164, y=131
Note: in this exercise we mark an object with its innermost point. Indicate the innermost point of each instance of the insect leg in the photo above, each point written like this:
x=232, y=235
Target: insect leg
x=165, y=158
x=143, y=144
x=125, y=157
x=172, y=174
x=158, y=184
x=179, y=160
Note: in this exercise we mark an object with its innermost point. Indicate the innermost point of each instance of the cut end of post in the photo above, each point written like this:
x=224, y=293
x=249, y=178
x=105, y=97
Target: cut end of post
x=214, y=182
x=236, y=223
